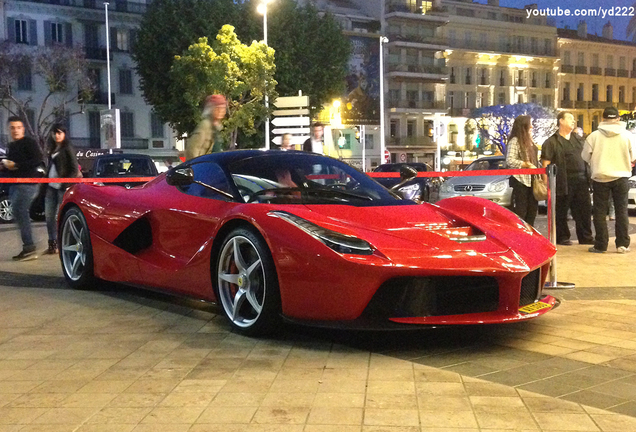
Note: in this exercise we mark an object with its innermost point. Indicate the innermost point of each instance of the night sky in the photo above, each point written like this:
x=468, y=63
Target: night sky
x=594, y=24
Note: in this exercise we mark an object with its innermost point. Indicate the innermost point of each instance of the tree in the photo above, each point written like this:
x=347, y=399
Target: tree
x=495, y=122
x=243, y=74
x=64, y=72
x=311, y=51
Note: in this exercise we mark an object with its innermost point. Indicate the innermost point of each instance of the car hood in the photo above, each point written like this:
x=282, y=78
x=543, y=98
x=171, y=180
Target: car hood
x=476, y=179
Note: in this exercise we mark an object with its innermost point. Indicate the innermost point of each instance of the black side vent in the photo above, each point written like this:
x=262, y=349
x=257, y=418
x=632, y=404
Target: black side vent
x=530, y=287
x=434, y=296
x=135, y=238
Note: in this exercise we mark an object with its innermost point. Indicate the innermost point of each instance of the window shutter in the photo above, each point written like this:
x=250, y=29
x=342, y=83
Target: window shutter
x=47, y=33
x=68, y=34
x=11, y=29
x=33, y=32
x=113, y=38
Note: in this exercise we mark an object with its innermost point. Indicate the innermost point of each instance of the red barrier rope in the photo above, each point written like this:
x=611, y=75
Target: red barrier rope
x=466, y=173
x=76, y=180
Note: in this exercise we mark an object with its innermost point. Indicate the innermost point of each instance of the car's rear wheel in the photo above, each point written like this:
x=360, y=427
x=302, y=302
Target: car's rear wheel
x=76, y=251
x=6, y=209
x=247, y=284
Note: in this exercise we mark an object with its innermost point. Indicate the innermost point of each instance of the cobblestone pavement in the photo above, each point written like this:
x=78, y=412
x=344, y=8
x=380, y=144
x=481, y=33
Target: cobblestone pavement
x=123, y=359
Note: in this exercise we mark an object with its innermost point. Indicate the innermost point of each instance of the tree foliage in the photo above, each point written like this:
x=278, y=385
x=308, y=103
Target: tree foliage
x=495, y=122
x=243, y=74
x=311, y=51
x=64, y=72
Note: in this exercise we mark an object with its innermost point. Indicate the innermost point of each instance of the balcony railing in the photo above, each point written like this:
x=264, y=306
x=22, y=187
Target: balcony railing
x=567, y=104
x=479, y=46
x=120, y=5
x=403, y=6
x=134, y=143
x=95, y=53
x=624, y=73
x=633, y=74
x=580, y=70
x=567, y=68
x=460, y=112
x=623, y=106
x=610, y=72
x=594, y=70
x=399, y=37
x=599, y=104
x=439, y=70
x=580, y=104
x=438, y=105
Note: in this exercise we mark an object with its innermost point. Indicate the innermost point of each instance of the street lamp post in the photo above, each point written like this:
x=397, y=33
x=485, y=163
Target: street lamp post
x=107, y=53
x=262, y=8
x=383, y=40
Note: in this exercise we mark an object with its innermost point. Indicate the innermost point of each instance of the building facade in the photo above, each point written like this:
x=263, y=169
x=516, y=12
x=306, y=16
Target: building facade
x=81, y=24
x=595, y=72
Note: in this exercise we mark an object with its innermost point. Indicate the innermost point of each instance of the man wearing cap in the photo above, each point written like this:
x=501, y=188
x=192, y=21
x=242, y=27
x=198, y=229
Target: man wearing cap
x=206, y=138
x=610, y=151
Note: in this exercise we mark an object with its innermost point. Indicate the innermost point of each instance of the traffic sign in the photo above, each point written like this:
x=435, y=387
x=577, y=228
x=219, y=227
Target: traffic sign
x=291, y=112
x=292, y=102
x=291, y=121
x=295, y=139
x=298, y=130
x=387, y=156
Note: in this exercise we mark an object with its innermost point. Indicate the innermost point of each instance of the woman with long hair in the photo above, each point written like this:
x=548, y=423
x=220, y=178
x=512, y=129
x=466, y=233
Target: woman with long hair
x=522, y=153
x=62, y=163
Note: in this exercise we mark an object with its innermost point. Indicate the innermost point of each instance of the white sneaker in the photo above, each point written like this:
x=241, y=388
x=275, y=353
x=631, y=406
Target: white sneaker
x=622, y=250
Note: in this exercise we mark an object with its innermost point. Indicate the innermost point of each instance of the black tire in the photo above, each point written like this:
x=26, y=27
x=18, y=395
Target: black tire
x=6, y=210
x=257, y=287
x=74, y=232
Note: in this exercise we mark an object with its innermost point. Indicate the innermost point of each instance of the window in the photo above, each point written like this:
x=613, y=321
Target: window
x=566, y=58
x=520, y=43
x=410, y=128
x=534, y=79
x=127, y=124
x=520, y=81
x=468, y=75
x=451, y=78
x=546, y=101
x=502, y=78
x=580, y=121
x=580, y=93
x=609, y=93
x=412, y=96
x=25, y=80
x=621, y=94
x=622, y=63
x=534, y=45
x=520, y=98
x=503, y=43
x=580, y=58
x=451, y=99
x=483, y=79
x=395, y=128
x=595, y=60
x=566, y=91
x=156, y=126
x=501, y=98
x=594, y=123
x=547, y=46
x=548, y=79
x=21, y=31
x=594, y=92
x=123, y=42
x=394, y=95
x=610, y=61
x=633, y=94
x=57, y=31
x=210, y=174
x=533, y=98
x=125, y=81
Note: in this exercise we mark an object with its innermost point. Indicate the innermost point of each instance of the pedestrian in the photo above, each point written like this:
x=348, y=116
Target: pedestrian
x=22, y=161
x=610, y=151
x=563, y=149
x=168, y=163
x=315, y=142
x=522, y=153
x=207, y=138
x=285, y=143
x=62, y=163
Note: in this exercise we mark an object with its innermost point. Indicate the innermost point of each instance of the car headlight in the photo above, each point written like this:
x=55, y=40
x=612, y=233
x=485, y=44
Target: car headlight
x=341, y=243
x=410, y=192
x=499, y=186
x=446, y=188
x=632, y=184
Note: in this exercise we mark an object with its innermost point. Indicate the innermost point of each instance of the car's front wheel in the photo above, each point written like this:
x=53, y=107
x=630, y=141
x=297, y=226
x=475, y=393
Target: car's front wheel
x=76, y=251
x=247, y=284
x=6, y=210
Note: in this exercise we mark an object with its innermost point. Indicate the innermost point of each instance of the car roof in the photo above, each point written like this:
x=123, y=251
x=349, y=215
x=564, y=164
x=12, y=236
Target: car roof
x=122, y=156
x=228, y=157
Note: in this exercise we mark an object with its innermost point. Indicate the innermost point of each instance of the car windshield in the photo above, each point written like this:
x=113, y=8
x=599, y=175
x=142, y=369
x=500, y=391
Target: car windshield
x=420, y=167
x=487, y=164
x=124, y=167
x=306, y=178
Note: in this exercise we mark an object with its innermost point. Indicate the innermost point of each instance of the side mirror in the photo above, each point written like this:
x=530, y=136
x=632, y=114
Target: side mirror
x=407, y=173
x=180, y=177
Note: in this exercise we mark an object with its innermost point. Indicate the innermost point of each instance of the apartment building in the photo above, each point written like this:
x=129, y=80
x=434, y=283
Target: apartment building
x=595, y=71
x=496, y=56
x=81, y=23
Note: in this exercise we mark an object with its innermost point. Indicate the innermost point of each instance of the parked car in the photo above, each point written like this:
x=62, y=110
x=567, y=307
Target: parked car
x=631, y=198
x=495, y=188
x=124, y=165
x=301, y=237
x=418, y=189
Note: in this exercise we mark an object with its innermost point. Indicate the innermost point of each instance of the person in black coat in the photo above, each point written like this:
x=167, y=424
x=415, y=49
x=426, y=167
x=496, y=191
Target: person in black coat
x=62, y=164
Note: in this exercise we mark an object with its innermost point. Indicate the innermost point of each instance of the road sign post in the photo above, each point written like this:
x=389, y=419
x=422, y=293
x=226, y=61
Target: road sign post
x=291, y=117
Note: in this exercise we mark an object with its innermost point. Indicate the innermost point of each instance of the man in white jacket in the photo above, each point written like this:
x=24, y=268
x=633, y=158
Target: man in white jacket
x=610, y=151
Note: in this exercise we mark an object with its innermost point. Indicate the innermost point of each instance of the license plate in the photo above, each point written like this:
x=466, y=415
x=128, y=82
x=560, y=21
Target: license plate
x=534, y=307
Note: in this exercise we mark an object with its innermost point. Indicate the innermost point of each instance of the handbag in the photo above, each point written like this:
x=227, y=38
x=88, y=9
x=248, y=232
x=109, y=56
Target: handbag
x=539, y=188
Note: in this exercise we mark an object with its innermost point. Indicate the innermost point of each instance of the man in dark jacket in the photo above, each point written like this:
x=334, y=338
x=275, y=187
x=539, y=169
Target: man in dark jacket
x=315, y=142
x=21, y=161
x=573, y=181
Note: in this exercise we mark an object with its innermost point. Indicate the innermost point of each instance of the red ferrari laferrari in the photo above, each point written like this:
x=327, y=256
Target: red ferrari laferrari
x=273, y=235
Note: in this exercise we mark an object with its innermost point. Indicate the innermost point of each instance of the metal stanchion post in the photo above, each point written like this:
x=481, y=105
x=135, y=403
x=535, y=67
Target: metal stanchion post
x=552, y=283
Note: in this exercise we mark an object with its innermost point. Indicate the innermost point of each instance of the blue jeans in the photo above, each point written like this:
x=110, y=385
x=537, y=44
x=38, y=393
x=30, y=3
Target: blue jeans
x=22, y=196
x=52, y=201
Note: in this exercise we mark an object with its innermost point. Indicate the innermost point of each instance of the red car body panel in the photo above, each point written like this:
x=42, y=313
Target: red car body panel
x=317, y=284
